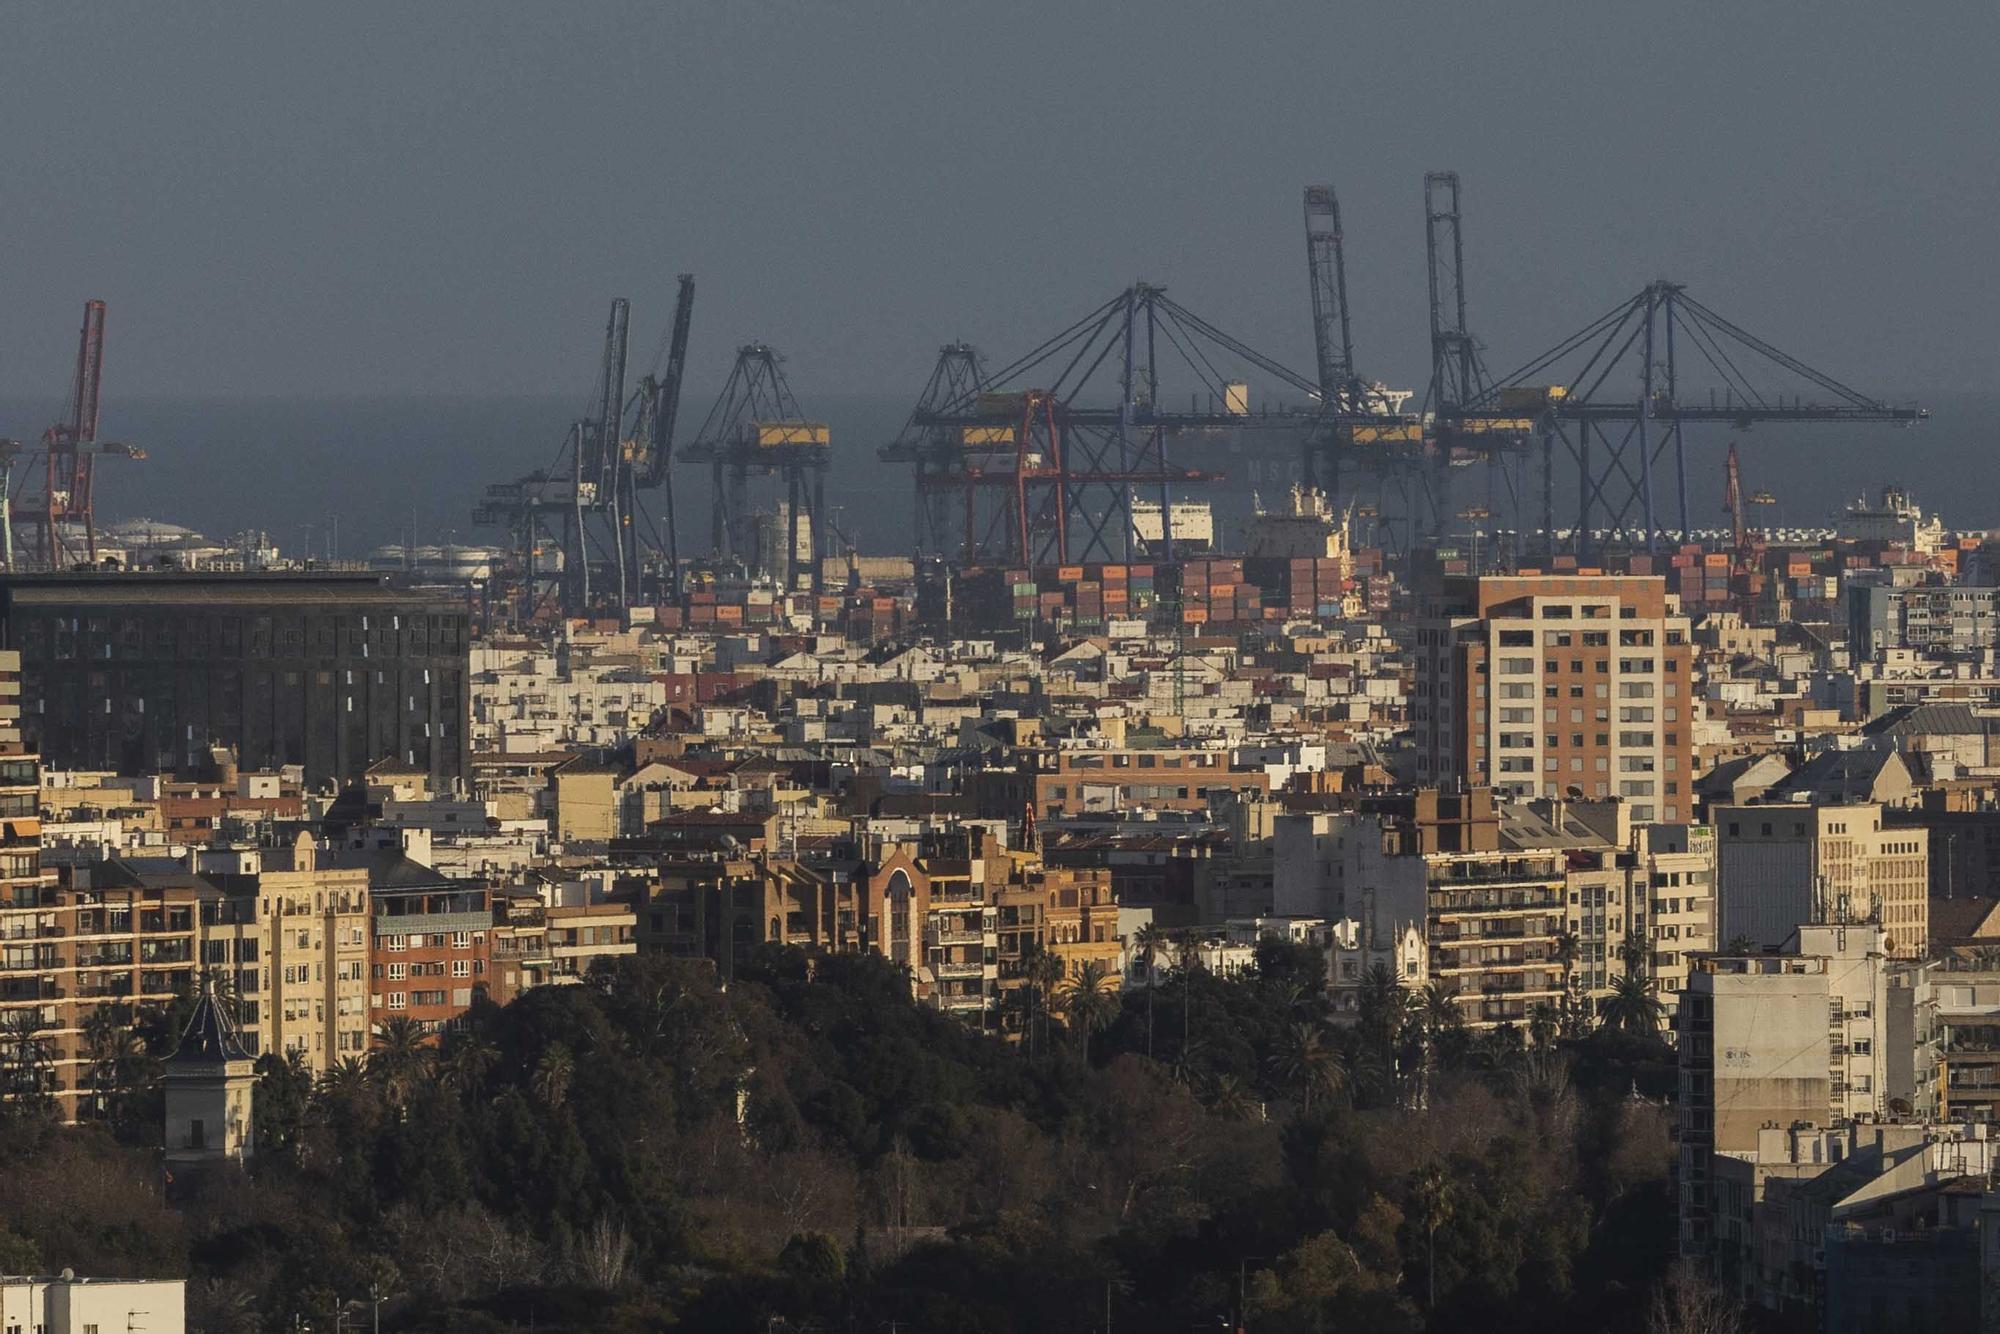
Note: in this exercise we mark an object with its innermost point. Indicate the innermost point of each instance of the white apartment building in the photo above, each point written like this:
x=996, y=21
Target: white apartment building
x=1785, y=863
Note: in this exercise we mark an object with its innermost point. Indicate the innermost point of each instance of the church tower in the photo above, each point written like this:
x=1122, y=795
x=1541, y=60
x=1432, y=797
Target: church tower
x=209, y=1083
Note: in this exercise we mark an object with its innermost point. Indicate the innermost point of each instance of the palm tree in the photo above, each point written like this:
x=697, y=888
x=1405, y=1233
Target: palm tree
x=466, y=1059
x=348, y=1076
x=1043, y=970
x=1087, y=1000
x=118, y=1061
x=1228, y=1099
x=25, y=1059
x=401, y=1050
x=1151, y=940
x=1565, y=952
x=1631, y=1007
x=1305, y=1062
x=553, y=1075
x=1543, y=1024
x=1437, y=1007
x=1434, y=1203
x=1634, y=955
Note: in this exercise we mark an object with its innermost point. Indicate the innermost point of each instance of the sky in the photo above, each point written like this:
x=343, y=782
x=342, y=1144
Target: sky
x=440, y=199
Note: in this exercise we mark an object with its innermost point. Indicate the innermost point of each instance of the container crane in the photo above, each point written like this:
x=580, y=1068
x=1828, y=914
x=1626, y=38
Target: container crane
x=62, y=513
x=596, y=476
x=756, y=427
x=1357, y=419
x=1661, y=343
x=659, y=408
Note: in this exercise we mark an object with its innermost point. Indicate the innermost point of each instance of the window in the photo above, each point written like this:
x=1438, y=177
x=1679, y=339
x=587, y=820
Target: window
x=461, y=968
x=461, y=940
x=398, y=1000
x=393, y=942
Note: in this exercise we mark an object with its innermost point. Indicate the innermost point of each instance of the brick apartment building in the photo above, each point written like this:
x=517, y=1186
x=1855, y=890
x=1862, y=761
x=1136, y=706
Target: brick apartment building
x=430, y=941
x=1544, y=685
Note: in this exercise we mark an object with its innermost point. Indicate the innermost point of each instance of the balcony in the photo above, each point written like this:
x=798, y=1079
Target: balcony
x=953, y=936
x=958, y=970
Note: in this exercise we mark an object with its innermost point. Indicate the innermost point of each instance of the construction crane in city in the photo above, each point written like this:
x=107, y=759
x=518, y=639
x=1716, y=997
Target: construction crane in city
x=756, y=427
x=1618, y=396
x=61, y=512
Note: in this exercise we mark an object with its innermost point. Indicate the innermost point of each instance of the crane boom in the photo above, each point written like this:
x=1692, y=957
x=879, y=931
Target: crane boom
x=1326, y=265
x=89, y=374
x=666, y=398
x=601, y=464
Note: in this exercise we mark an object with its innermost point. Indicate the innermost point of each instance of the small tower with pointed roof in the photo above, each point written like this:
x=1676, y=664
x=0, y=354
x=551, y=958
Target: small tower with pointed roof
x=209, y=1083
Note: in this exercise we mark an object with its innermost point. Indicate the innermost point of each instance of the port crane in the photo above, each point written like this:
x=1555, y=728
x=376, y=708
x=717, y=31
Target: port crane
x=1743, y=540
x=936, y=453
x=1458, y=371
x=1039, y=461
x=1358, y=422
x=1618, y=395
x=587, y=504
x=756, y=427
x=61, y=512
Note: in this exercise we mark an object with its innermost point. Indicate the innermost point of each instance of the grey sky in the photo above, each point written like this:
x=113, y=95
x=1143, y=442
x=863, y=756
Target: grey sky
x=441, y=198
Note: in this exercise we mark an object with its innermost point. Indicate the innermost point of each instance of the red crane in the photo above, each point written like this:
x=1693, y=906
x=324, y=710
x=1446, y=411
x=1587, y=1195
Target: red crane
x=1733, y=502
x=69, y=453
x=1744, y=580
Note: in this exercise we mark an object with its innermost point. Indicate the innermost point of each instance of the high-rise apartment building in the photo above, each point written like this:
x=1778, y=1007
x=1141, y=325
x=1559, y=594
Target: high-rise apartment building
x=1786, y=862
x=1550, y=685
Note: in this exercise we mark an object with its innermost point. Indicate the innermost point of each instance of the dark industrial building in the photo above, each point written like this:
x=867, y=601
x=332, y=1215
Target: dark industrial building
x=147, y=671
